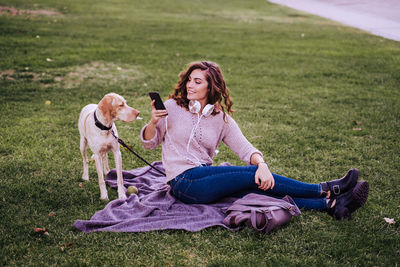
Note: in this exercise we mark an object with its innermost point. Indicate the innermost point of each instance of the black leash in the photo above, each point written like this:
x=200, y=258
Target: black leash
x=142, y=159
x=105, y=128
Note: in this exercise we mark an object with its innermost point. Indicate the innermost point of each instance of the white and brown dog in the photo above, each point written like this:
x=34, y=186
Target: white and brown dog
x=97, y=128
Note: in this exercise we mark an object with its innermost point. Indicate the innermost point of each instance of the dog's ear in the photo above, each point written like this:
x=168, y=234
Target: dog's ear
x=106, y=107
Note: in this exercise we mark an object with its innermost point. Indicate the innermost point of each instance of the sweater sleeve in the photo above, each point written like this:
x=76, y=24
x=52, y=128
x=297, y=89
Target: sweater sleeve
x=158, y=137
x=234, y=138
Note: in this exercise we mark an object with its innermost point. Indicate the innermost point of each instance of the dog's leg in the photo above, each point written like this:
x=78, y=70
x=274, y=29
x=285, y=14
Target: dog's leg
x=102, y=184
x=105, y=163
x=120, y=180
x=83, y=146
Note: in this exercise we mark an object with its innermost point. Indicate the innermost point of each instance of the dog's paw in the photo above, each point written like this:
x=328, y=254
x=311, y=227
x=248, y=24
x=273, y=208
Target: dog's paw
x=85, y=177
x=104, y=196
x=104, y=199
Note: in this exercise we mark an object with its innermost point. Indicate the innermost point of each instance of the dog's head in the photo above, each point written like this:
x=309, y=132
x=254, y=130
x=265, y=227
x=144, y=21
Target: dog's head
x=114, y=107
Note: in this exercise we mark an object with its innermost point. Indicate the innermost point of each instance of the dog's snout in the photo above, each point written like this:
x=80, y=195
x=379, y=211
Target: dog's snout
x=135, y=112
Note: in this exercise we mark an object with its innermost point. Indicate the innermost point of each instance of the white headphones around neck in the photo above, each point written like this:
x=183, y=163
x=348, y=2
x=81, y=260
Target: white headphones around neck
x=195, y=106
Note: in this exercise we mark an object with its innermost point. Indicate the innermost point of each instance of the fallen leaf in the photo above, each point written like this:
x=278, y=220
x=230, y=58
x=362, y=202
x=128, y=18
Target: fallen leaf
x=39, y=230
x=357, y=122
x=389, y=220
x=48, y=102
x=66, y=246
x=356, y=129
x=51, y=214
x=42, y=230
x=80, y=185
x=49, y=60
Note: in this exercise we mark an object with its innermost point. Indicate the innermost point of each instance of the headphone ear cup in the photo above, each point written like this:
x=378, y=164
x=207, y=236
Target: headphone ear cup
x=194, y=106
x=207, y=110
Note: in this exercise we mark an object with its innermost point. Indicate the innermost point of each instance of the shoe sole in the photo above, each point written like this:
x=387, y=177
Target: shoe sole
x=360, y=195
x=361, y=191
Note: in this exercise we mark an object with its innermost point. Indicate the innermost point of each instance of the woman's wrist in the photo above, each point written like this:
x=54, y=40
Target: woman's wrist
x=261, y=162
x=149, y=132
x=152, y=123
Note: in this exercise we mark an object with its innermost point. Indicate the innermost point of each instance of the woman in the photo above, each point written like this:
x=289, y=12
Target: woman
x=191, y=128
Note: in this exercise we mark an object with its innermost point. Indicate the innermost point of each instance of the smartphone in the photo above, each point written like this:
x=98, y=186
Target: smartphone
x=158, y=102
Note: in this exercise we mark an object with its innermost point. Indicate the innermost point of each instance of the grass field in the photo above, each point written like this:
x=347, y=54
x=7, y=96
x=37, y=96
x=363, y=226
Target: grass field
x=316, y=97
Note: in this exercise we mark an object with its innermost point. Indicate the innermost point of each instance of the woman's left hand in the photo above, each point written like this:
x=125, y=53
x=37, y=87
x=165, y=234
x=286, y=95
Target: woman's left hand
x=264, y=178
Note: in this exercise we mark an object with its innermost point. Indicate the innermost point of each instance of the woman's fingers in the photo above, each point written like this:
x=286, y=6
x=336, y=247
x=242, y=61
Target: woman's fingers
x=264, y=179
x=265, y=183
x=156, y=115
x=152, y=105
x=160, y=113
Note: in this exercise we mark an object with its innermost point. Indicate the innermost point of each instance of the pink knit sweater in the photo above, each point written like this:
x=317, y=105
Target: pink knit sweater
x=176, y=157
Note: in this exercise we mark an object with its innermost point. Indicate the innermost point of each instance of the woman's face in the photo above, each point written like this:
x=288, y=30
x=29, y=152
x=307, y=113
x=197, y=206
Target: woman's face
x=197, y=87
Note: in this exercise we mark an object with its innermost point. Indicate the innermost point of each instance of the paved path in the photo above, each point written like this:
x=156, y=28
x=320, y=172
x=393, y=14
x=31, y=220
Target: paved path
x=379, y=17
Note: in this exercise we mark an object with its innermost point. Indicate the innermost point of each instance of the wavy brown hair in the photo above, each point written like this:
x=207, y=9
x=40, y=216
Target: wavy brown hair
x=217, y=90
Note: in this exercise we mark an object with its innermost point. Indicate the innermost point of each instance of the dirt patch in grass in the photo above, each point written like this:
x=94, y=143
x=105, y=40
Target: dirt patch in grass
x=15, y=12
x=13, y=75
x=99, y=73
x=7, y=74
x=90, y=74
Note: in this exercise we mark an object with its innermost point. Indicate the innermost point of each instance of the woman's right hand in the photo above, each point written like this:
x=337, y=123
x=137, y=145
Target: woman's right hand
x=157, y=115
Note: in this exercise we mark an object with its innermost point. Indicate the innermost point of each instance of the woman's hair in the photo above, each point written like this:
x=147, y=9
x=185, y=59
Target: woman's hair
x=217, y=89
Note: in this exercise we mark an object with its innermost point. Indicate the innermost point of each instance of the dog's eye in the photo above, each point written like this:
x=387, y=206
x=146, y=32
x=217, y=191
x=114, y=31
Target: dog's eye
x=121, y=105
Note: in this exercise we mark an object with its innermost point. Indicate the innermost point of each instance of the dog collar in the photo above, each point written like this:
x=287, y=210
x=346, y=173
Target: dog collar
x=99, y=124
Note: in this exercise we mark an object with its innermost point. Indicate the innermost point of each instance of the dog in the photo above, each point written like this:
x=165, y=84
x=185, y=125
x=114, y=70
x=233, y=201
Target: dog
x=97, y=129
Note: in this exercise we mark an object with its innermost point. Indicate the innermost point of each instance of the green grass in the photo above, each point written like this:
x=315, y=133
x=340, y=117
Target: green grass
x=298, y=83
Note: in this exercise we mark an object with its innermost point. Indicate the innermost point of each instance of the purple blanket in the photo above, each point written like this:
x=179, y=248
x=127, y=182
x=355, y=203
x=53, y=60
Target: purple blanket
x=154, y=208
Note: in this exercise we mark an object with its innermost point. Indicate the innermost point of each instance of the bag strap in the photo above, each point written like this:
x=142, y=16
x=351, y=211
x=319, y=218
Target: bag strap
x=274, y=206
x=253, y=219
x=268, y=219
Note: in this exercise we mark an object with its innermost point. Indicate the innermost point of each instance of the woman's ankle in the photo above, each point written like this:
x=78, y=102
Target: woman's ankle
x=326, y=194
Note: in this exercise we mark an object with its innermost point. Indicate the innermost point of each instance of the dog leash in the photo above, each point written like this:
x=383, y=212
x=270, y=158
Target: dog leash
x=105, y=128
x=133, y=152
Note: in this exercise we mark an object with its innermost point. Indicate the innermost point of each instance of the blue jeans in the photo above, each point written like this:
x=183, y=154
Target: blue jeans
x=208, y=184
